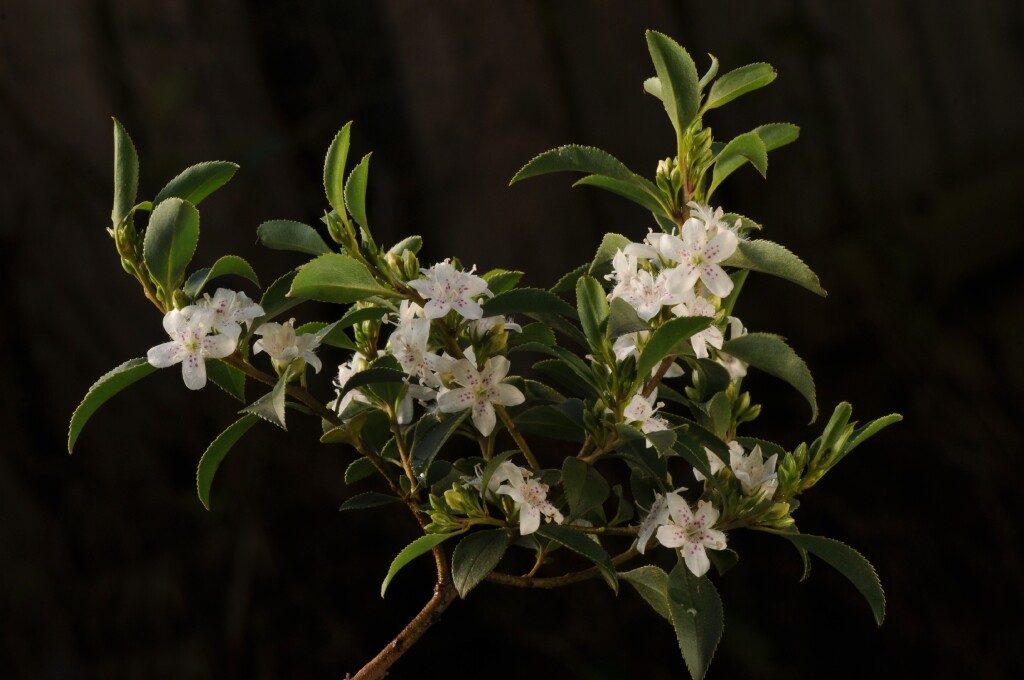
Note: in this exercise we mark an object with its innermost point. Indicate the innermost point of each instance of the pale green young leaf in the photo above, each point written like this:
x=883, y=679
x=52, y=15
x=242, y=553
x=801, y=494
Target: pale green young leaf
x=476, y=556
x=196, y=182
x=709, y=74
x=652, y=86
x=849, y=563
x=102, y=390
x=696, y=612
x=768, y=257
x=771, y=354
x=355, y=191
x=215, y=453
x=652, y=584
x=739, y=82
x=224, y=266
x=336, y=278
x=739, y=150
x=334, y=169
x=291, y=235
x=670, y=339
x=677, y=75
x=421, y=545
x=582, y=545
x=170, y=242
x=126, y=174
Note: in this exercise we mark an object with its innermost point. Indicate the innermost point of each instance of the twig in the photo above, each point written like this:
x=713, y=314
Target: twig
x=556, y=581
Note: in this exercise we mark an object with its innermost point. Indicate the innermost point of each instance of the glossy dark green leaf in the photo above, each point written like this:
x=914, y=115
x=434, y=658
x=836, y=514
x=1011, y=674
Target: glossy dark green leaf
x=197, y=182
x=592, y=307
x=126, y=174
x=367, y=500
x=632, y=190
x=275, y=300
x=652, y=584
x=102, y=390
x=337, y=278
x=584, y=546
x=850, y=564
x=567, y=283
x=610, y=245
x=563, y=421
x=476, y=556
x=355, y=191
x=170, y=242
x=739, y=82
x=576, y=158
x=872, y=428
x=334, y=169
x=270, y=407
x=293, y=236
x=528, y=301
x=771, y=354
x=421, y=545
x=696, y=613
x=502, y=280
x=226, y=265
x=429, y=435
x=677, y=76
x=623, y=319
x=585, y=488
x=670, y=339
x=228, y=378
x=771, y=258
x=539, y=333
x=358, y=470
x=215, y=453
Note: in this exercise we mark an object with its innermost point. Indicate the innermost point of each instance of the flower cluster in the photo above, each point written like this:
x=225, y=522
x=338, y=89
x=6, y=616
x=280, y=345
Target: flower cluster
x=529, y=496
x=757, y=476
x=676, y=525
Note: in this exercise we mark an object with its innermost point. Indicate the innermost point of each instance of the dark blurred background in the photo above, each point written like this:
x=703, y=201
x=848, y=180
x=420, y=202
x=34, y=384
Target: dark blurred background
x=904, y=193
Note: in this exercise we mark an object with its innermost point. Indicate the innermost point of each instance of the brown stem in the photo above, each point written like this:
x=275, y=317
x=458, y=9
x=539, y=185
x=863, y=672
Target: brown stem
x=517, y=436
x=659, y=374
x=296, y=392
x=444, y=595
x=557, y=581
x=403, y=453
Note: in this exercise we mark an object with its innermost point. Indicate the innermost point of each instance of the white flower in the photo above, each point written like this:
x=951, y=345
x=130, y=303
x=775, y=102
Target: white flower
x=737, y=369
x=480, y=327
x=284, y=346
x=530, y=496
x=698, y=252
x=628, y=344
x=480, y=391
x=346, y=370
x=643, y=291
x=757, y=477
x=714, y=461
x=657, y=516
x=711, y=217
x=694, y=305
x=408, y=343
x=229, y=309
x=643, y=412
x=191, y=343
x=692, y=532
x=447, y=288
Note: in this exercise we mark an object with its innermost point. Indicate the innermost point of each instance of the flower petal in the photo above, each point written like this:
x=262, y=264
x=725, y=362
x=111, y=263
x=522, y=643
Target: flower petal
x=483, y=417
x=167, y=354
x=217, y=346
x=529, y=519
x=458, y=399
x=193, y=370
x=696, y=559
x=507, y=395
x=715, y=278
x=671, y=535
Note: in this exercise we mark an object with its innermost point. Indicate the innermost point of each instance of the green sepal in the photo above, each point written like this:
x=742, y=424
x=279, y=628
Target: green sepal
x=170, y=242
x=476, y=556
x=215, y=453
x=293, y=236
x=771, y=354
x=696, y=612
x=582, y=545
x=126, y=174
x=421, y=545
x=336, y=278
x=334, y=169
x=196, y=182
x=739, y=82
x=228, y=264
x=102, y=390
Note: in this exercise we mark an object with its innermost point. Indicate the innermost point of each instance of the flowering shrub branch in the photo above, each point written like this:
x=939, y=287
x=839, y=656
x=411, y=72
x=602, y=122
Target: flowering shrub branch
x=644, y=372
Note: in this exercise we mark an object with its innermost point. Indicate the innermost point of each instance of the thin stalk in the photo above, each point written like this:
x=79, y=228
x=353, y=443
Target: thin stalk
x=557, y=581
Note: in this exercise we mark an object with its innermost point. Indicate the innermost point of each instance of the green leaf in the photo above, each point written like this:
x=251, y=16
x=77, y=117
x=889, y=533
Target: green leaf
x=652, y=584
x=632, y=190
x=652, y=86
x=330, y=334
x=592, y=306
x=739, y=150
x=696, y=613
x=501, y=280
x=622, y=319
x=430, y=435
x=849, y=563
x=869, y=430
x=410, y=243
x=126, y=174
x=421, y=545
x=739, y=82
x=102, y=390
x=228, y=378
x=670, y=339
x=528, y=301
x=336, y=278
x=610, y=244
x=334, y=169
x=216, y=452
x=723, y=560
x=709, y=74
x=370, y=499
x=677, y=76
x=372, y=376
x=771, y=354
x=275, y=299
x=771, y=258
x=585, y=488
x=197, y=182
x=170, y=242
x=729, y=303
x=539, y=333
x=228, y=264
x=476, y=556
x=563, y=421
x=491, y=468
x=720, y=414
x=775, y=135
x=567, y=283
x=355, y=191
x=576, y=158
x=359, y=469
x=582, y=545
x=270, y=406
x=291, y=235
